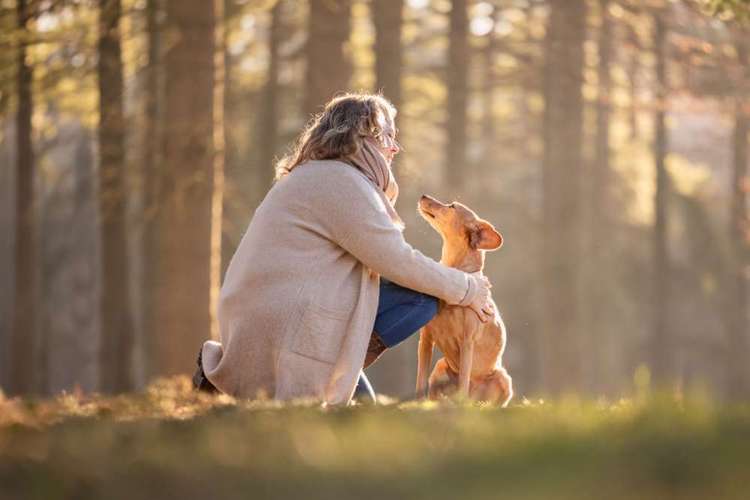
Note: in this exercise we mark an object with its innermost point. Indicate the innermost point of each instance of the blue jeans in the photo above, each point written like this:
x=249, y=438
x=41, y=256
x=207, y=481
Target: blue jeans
x=401, y=313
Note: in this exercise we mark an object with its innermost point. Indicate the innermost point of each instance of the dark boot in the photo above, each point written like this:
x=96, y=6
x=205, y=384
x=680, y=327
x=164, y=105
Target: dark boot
x=374, y=350
x=200, y=382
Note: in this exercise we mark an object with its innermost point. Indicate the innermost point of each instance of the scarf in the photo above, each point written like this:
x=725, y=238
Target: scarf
x=371, y=162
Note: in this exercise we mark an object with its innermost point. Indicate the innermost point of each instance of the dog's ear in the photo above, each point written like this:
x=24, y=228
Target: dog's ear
x=483, y=236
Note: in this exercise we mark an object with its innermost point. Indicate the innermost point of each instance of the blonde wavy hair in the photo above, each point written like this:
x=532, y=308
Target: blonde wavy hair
x=338, y=131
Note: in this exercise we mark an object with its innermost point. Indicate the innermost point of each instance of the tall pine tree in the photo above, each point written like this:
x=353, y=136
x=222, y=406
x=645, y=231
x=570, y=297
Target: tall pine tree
x=116, y=317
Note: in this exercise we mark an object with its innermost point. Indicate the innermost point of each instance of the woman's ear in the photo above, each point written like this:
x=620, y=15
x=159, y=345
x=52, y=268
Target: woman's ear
x=483, y=236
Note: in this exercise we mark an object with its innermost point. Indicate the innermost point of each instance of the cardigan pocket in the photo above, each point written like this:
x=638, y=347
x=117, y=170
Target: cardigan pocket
x=320, y=333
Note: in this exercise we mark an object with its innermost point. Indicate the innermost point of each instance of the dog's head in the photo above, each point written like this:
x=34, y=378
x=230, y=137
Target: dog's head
x=458, y=225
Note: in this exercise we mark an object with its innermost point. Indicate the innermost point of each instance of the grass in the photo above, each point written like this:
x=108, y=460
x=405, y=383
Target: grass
x=172, y=443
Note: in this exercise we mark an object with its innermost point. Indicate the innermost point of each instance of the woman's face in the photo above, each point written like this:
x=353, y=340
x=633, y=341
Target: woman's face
x=388, y=145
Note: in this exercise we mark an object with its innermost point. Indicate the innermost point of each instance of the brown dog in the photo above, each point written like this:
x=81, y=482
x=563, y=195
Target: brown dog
x=472, y=350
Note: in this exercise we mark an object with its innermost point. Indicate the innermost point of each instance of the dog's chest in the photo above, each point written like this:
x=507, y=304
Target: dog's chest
x=447, y=331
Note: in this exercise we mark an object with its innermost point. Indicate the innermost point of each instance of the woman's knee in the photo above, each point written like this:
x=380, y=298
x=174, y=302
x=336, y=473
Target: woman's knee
x=402, y=320
x=424, y=310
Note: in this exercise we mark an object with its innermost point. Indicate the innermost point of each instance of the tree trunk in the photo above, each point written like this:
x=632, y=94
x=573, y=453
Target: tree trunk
x=116, y=317
x=457, y=79
x=234, y=116
x=269, y=127
x=662, y=364
x=488, y=91
x=387, y=17
x=738, y=231
x=183, y=300
x=218, y=154
x=7, y=245
x=597, y=301
x=633, y=69
x=563, y=128
x=329, y=66
x=85, y=309
x=151, y=178
x=23, y=340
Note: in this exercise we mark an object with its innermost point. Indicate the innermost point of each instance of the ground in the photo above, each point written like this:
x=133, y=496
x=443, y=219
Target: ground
x=169, y=442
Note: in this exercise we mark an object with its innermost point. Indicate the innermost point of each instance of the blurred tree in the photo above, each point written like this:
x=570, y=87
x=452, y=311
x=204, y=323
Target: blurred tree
x=563, y=126
x=86, y=285
x=218, y=163
x=183, y=315
x=231, y=9
x=388, y=16
x=458, y=92
x=116, y=318
x=83, y=339
x=231, y=104
x=489, y=51
x=23, y=340
x=269, y=115
x=662, y=361
x=329, y=66
x=739, y=385
x=8, y=56
x=603, y=105
x=633, y=69
x=151, y=174
x=596, y=296
x=700, y=275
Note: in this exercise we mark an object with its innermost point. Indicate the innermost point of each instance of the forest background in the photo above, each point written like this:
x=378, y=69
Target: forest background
x=606, y=139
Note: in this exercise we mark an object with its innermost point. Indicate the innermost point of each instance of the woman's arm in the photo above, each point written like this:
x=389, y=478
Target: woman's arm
x=358, y=222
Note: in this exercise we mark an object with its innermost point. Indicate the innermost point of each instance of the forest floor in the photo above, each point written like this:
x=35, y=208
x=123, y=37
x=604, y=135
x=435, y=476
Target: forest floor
x=169, y=442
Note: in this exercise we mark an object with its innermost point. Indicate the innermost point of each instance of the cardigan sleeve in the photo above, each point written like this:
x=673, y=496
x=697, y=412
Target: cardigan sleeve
x=357, y=221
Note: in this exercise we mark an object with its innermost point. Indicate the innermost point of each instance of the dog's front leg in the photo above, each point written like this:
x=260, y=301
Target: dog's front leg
x=464, y=371
x=424, y=360
x=471, y=328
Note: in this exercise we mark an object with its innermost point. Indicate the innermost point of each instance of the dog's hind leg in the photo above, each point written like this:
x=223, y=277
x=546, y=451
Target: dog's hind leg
x=497, y=388
x=443, y=381
x=506, y=387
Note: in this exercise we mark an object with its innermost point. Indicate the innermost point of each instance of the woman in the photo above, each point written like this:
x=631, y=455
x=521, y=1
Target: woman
x=302, y=293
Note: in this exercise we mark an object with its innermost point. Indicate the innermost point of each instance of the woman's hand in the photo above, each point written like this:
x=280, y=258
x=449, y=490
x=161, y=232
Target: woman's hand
x=482, y=303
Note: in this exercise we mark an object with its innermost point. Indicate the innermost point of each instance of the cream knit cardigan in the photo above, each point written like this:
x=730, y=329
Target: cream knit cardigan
x=300, y=296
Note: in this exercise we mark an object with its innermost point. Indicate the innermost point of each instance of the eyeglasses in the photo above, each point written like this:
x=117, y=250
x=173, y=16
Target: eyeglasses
x=388, y=142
